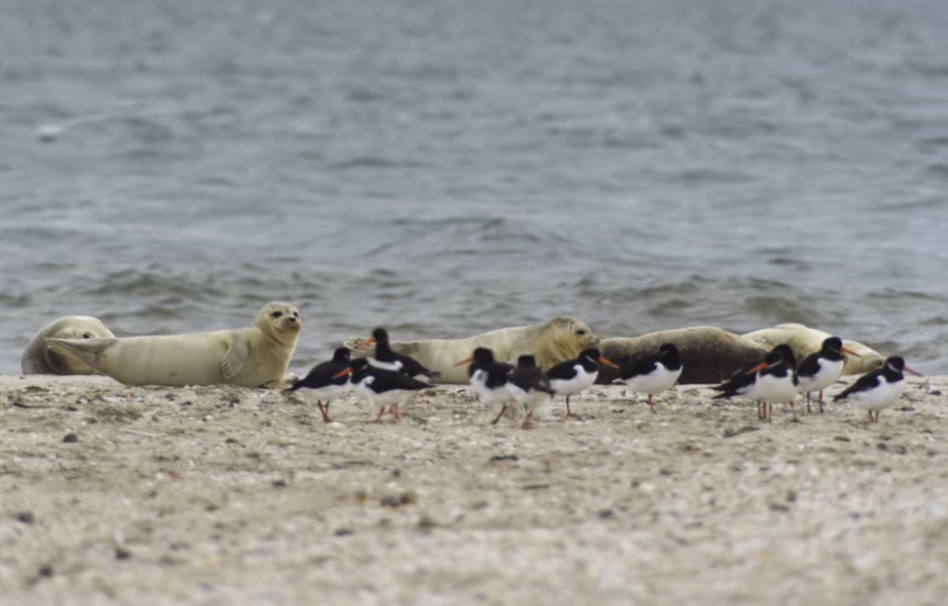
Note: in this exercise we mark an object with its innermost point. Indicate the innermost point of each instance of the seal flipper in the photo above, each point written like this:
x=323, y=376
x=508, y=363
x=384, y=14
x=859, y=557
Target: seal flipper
x=88, y=351
x=235, y=359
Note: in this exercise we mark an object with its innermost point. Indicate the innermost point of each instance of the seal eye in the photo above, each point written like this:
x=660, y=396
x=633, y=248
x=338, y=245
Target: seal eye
x=277, y=314
x=87, y=335
x=580, y=332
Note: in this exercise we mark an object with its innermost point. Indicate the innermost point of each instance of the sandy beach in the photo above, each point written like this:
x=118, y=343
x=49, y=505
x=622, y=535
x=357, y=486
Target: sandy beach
x=216, y=495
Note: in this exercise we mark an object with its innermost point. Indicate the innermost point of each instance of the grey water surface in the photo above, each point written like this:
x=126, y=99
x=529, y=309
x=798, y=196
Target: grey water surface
x=448, y=167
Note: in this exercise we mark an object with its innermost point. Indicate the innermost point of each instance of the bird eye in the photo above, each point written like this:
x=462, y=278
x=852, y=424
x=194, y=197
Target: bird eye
x=277, y=314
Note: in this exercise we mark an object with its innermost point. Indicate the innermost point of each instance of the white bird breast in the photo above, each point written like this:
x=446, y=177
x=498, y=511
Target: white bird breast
x=830, y=371
x=882, y=396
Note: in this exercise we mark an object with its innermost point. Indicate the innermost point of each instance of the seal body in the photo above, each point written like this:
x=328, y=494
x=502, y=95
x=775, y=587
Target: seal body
x=39, y=359
x=549, y=343
x=708, y=354
x=249, y=357
x=806, y=341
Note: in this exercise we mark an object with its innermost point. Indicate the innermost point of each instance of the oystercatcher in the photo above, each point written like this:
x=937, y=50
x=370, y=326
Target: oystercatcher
x=489, y=378
x=879, y=389
x=772, y=381
x=381, y=387
x=655, y=373
x=821, y=369
x=573, y=376
x=388, y=359
x=323, y=381
x=529, y=386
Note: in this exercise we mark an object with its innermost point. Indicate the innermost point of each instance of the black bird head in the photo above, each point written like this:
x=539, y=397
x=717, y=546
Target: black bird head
x=782, y=352
x=482, y=357
x=669, y=355
x=358, y=366
x=526, y=362
x=897, y=364
x=342, y=354
x=595, y=357
x=833, y=346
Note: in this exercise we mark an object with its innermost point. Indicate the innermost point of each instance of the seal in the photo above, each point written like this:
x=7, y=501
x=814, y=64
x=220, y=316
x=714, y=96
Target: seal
x=248, y=357
x=804, y=341
x=550, y=343
x=39, y=359
x=708, y=354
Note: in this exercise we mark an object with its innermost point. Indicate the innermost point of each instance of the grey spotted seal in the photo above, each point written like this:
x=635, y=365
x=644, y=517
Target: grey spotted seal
x=248, y=357
x=550, y=343
x=708, y=354
x=39, y=359
x=804, y=341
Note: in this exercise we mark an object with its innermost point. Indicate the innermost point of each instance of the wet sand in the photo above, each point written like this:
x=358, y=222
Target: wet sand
x=219, y=495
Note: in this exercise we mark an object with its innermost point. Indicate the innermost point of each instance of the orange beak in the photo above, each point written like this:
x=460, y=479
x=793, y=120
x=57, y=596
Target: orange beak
x=849, y=351
x=366, y=343
x=467, y=361
x=916, y=373
x=760, y=366
x=342, y=373
x=607, y=362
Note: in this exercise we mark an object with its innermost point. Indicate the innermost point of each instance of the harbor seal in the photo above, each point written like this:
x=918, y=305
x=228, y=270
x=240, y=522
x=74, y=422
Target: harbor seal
x=708, y=354
x=39, y=359
x=248, y=357
x=550, y=343
x=804, y=341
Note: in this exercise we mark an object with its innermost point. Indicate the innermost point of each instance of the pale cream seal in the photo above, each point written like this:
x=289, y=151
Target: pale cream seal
x=804, y=341
x=550, y=343
x=249, y=357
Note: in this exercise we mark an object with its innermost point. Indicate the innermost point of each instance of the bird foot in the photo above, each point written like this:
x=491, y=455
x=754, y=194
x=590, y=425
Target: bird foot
x=324, y=408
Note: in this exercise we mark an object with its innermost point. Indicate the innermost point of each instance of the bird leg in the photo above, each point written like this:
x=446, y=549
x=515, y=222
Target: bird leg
x=793, y=409
x=395, y=412
x=378, y=419
x=528, y=420
x=761, y=415
x=502, y=411
x=324, y=408
x=569, y=413
x=651, y=404
x=770, y=412
x=808, y=411
x=821, y=401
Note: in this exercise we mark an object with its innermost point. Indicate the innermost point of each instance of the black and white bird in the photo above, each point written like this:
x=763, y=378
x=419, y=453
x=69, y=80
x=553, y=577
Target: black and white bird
x=488, y=377
x=381, y=387
x=655, y=373
x=773, y=381
x=388, y=359
x=529, y=387
x=819, y=370
x=322, y=380
x=573, y=376
x=879, y=389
